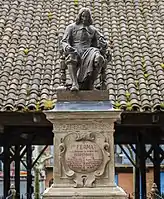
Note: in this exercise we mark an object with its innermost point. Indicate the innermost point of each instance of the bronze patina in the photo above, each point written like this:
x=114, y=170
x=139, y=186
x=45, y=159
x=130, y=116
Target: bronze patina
x=85, y=50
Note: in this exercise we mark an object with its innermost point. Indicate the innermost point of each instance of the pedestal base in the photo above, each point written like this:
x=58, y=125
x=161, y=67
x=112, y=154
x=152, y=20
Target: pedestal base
x=114, y=192
x=83, y=147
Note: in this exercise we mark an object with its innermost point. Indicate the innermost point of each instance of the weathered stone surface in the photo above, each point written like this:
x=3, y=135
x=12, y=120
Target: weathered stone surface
x=96, y=95
x=112, y=192
x=84, y=155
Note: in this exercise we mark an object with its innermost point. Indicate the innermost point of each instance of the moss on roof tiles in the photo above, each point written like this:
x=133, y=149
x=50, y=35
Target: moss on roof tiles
x=29, y=57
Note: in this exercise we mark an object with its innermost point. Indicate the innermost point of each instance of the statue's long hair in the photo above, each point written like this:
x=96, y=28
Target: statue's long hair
x=78, y=18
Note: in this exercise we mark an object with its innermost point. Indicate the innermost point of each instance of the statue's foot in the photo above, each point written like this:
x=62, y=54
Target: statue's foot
x=61, y=88
x=74, y=88
x=95, y=89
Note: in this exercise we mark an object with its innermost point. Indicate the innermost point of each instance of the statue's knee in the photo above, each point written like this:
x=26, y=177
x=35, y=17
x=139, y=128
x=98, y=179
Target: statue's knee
x=72, y=59
x=98, y=60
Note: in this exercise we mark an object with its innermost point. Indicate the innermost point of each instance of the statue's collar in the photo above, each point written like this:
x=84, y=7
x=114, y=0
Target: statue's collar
x=81, y=26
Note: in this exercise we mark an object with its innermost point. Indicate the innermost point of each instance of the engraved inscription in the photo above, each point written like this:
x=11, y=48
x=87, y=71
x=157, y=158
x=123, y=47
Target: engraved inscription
x=84, y=157
x=98, y=126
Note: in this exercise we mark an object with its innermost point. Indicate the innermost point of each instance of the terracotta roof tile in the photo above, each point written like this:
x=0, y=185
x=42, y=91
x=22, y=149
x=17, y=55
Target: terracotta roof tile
x=30, y=32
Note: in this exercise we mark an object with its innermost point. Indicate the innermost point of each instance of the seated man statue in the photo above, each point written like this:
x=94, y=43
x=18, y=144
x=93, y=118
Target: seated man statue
x=85, y=50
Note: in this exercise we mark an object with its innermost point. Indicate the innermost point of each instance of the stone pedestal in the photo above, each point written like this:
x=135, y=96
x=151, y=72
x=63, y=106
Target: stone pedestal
x=84, y=149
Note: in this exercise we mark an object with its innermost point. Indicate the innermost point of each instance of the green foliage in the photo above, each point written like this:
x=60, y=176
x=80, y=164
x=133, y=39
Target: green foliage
x=25, y=109
x=143, y=60
x=26, y=51
x=50, y=15
x=48, y=104
x=127, y=95
x=76, y=2
x=162, y=65
x=27, y=92
x=144, y=66
x=117, y=105
x=38, y=106
x=128, y=106
x=162, y=105
x=141, y=9
x=143, y=63
x=137, y=83
x=146, y=75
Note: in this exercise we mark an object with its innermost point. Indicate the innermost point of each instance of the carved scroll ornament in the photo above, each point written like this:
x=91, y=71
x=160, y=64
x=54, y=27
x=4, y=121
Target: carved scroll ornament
x=83, y=157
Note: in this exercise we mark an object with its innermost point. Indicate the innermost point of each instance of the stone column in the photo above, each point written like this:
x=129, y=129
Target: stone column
x=84, y=155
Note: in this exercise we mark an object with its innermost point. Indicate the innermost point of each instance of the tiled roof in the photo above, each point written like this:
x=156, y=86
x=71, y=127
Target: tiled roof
x=29, y=57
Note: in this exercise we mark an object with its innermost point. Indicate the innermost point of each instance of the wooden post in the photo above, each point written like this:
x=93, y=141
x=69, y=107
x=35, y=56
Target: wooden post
x=17, y=171
x=29, y=175
x=157, y=166
x=6, y=169
x=137, y=174
x=142, y=167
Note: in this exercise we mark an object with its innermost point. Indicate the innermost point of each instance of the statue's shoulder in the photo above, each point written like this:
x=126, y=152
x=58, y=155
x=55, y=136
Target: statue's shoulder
x=71, y=26
x=93, y=28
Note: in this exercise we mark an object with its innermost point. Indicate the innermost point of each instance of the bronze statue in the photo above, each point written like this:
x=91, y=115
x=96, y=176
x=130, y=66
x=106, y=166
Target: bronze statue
x=84, y=48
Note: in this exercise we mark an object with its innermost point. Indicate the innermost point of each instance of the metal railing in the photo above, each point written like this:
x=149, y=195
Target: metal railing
x=157, y=196
x=10, y=196
x=153, y=194
x=21, y=196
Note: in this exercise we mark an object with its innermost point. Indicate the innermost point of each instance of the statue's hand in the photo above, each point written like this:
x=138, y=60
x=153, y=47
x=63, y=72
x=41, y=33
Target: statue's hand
x=70, y=49
x=108, y=56
x=103, y=51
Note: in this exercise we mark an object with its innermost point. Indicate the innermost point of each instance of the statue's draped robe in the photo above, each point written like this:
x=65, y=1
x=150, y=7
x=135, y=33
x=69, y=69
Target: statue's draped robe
x=87, y=41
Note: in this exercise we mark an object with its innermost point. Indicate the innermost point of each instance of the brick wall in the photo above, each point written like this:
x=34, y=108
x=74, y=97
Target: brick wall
x=149, y=179
x=125, y=180
x=49, y=176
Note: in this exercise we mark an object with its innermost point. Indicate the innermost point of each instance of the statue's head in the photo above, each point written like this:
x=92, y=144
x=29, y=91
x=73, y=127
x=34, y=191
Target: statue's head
x=84, y=17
